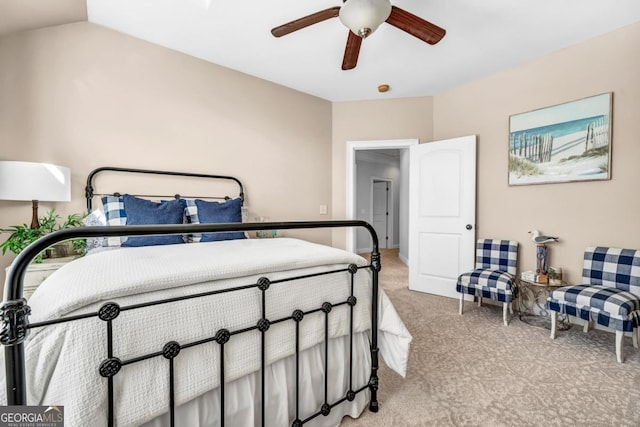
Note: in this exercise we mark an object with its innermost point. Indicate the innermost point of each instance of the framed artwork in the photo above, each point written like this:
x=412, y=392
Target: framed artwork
x=562, y=143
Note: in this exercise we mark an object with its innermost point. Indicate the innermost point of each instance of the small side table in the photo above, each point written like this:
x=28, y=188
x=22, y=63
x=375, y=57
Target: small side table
x=37, y=273
x=532, y=297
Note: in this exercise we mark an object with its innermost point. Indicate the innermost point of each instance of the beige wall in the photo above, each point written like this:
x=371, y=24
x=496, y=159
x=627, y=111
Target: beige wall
x=20, y=15
x=404, y=118
x=583, y=213
x=83, y=96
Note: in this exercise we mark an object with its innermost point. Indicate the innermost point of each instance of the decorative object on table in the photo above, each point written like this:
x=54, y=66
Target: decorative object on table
x=34, y=182
x=609, y=294
x=262, y=234
x=541, y=253
x=555, y=276
x=494, y=276
x=561, y=143
x=542, y=256
x=541, y=240
x=23, y=235
x=533, y=276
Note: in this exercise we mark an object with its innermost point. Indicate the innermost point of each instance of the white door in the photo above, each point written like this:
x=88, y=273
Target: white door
x=380, y=211
x=442, y=211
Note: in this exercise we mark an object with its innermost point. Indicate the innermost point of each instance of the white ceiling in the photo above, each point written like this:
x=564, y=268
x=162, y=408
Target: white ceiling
x=482, y=38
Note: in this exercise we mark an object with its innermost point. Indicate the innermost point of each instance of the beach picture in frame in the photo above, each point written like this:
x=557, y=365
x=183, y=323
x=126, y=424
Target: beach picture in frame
x=562, y=143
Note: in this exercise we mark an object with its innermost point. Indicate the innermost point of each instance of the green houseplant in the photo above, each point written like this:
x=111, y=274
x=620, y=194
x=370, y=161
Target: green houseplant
x=22, y=235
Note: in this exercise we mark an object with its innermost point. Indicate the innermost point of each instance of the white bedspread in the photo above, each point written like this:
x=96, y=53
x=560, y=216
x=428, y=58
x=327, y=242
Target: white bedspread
x=62, y=366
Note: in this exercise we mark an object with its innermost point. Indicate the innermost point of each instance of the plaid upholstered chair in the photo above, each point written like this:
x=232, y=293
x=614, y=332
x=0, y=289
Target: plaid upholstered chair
x=494, y=276
x=609, y=295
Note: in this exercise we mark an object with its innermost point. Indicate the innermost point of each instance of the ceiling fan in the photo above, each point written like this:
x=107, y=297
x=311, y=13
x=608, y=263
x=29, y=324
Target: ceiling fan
x=363, y=17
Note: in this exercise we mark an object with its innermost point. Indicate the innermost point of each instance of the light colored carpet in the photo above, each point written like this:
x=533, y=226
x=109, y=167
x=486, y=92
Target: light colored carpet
x=471, y=370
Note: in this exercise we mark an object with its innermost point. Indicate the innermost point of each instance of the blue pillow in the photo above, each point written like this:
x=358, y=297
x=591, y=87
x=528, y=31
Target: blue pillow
x=141, y=211
x=214, y=212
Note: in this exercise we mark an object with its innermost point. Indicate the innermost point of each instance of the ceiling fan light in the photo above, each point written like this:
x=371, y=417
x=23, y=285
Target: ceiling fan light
x=363, y=17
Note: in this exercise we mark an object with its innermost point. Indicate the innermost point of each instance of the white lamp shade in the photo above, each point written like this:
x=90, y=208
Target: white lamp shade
x=364, y=14
x=34, y=181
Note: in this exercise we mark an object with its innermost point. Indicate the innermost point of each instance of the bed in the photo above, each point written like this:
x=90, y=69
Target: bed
x=236, y=332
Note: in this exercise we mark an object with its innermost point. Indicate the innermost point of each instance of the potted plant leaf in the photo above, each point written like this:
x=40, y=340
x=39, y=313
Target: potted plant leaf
x=22, y=236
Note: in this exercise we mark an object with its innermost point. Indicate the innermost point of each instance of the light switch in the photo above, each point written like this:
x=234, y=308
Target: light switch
x=323, y=209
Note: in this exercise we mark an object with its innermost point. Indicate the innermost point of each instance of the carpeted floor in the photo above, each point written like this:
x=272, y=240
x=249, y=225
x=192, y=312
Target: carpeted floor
x=471, y=370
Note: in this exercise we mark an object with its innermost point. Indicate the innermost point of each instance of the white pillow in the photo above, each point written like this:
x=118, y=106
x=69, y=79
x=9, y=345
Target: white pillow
x=95, y=218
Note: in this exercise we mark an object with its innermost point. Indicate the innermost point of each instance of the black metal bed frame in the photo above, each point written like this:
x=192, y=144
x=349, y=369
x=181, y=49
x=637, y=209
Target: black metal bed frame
x=89, y=193
x=15, y=310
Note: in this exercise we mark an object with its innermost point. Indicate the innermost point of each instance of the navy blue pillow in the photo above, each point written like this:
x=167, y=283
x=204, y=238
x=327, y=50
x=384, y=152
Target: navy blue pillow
x=214, y=212
x=141, y=211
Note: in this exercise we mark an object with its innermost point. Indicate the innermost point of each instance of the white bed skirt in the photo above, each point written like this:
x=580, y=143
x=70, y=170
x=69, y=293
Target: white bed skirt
x=243, y=399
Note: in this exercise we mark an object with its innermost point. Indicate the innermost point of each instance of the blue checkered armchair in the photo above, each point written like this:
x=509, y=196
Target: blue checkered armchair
x=609, y=295
x=494, y=276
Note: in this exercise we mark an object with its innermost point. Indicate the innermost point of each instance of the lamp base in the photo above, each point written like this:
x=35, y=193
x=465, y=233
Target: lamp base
x=34, y=216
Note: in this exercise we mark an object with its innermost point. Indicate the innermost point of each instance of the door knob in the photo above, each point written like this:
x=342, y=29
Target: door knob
x=469, y=227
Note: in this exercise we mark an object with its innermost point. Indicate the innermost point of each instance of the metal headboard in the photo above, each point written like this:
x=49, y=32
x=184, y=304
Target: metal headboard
x=89, y=189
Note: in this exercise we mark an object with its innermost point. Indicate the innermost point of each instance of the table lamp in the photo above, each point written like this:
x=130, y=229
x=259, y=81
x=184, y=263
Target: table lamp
x=36, y=182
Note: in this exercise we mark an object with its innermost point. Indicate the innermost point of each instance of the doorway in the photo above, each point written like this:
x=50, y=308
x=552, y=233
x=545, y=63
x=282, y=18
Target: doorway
x=401, y=197
x=382, y=211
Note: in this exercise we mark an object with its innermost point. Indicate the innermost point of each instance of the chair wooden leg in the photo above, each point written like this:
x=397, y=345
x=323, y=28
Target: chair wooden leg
x=636, y=334
x=554, y=323
x=511, y=308
x=505, y=306
x=461, y=303
x=619, y=351
x=587, y=326
x=479, y=301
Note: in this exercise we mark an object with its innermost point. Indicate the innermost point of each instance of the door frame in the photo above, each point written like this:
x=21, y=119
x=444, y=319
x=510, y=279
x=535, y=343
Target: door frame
x=352, y=147
x=389, y=243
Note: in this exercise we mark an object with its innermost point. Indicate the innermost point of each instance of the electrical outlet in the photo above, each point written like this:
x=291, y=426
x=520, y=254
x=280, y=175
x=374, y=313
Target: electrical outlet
x=323, y=209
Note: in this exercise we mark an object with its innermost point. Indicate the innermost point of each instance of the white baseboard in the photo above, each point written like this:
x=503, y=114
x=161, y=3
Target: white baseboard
x=404, y=259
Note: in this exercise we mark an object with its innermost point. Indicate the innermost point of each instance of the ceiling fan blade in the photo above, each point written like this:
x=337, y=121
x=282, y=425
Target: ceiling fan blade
x=416, y=26
x=298, y=24
x=351, y=52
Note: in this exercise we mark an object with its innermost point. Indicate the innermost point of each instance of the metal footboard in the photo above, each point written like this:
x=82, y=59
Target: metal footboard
x=15, y=313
